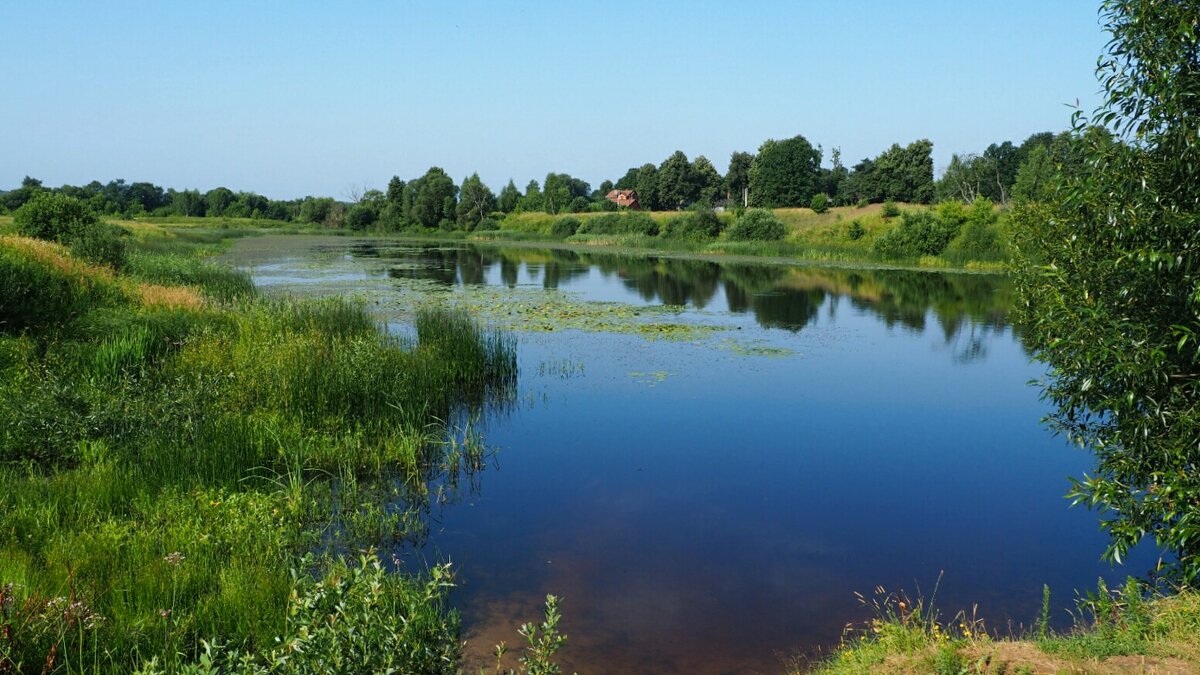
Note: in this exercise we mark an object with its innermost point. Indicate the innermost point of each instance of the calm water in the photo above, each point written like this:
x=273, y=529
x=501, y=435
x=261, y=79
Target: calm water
x=711, y=503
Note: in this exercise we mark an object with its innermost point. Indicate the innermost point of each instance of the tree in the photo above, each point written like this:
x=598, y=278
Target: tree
x=395, y=191
x=629, y=180
x=677, y=186
x=647, y=187
x=1109, y=267
x=832, y=182
x=784, y=173
x=217, y=200
x=510, y=197
x=532, y=201
x=737, y=178
x=475, y=201
x=434, y=204
x=187, y=203
x=709, y=184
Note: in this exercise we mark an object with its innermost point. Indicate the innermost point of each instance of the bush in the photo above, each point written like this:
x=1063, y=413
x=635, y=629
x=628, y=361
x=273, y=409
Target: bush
x=53, y=217
x=579, y=205
x=819, y=203
x=757, y=225
x=100, y=243
x=855, y=231
x=630, y=222
x=487, y=225
x=890, y=210
x=978, y=237
x=863, y=203
x=696, y=225
x=564, y=226
x=919, y=233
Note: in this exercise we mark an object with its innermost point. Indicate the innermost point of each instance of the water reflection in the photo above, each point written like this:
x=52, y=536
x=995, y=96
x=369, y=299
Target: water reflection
x=778, y=296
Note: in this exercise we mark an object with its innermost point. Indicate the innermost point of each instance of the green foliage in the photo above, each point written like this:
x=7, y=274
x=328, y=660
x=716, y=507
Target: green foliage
x=855, y=231
x=784, y=173
x=353, y=619
x=53, y=217
x=101, y=243
x=475, y=202
x=168, y=466
x=898, y=173
x=509, y=198
x=919, y=233
x=890, y=210
x=629, y=222
x=433, y=201
x=757, y=225
x=564, y=227
x=698, y=224
x=678, y=186
x=487, y=225
x=542, y=642
x=978, y=238
x=819, y=203
x=1108, y=270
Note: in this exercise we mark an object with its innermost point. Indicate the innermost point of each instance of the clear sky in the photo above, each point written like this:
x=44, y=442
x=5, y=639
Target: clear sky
x=296, y=98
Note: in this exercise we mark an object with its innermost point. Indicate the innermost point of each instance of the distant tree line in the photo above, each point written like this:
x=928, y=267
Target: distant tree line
x=781, y=174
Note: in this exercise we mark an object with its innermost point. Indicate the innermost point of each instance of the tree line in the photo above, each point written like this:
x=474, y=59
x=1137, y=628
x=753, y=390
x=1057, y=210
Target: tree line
x=781, y=174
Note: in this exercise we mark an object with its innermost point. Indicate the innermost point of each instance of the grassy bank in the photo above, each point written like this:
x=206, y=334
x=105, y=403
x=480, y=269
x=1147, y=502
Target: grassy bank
x=1118, y=631
x=847, y=235
x=844, y=235
x=183, y=464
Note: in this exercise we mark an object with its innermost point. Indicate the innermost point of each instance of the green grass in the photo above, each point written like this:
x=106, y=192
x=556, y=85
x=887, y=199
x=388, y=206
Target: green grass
x=1122, y=631
x=844, y=235
x=169, y=456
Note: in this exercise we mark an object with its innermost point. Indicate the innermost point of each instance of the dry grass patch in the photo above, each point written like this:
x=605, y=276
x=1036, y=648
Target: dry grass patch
x=170, y=297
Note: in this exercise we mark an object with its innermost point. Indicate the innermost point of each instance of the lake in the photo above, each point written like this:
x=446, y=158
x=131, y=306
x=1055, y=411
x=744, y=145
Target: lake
x=707, y=459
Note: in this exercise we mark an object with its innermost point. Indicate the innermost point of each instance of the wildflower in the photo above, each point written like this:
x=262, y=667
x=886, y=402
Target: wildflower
x=174, y=559
x=164, y=613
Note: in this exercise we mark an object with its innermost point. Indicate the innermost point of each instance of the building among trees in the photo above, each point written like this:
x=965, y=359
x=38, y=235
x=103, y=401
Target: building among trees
x=626, y=198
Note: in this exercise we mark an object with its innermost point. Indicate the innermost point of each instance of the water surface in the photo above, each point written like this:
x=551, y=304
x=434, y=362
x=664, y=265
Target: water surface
x=707, y=460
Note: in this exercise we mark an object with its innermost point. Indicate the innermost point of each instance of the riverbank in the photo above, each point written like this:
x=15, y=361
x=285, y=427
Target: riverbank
x=840, y=237
x=189, y=471
x=1119, y=632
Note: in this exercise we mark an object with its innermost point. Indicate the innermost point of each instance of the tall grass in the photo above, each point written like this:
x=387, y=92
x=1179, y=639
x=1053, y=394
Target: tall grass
x=163, y=468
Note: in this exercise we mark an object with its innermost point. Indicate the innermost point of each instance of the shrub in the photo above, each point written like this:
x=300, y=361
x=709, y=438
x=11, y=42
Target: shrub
x=53, y=217
x=890, y=210
x=487, y=225
x=100, y=243
x=863, y=203
x=630, y=222
x=978, y=237
x=564, y=226
x=919, y=233
x=819, y=203
x=757, y=225
x=855, y=231
x=696, y=225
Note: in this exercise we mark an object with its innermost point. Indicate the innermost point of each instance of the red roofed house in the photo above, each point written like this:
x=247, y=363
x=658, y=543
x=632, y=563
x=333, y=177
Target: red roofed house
x=626, y=198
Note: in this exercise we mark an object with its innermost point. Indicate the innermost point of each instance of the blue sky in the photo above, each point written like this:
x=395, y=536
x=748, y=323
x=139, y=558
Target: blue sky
x=296, y=98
